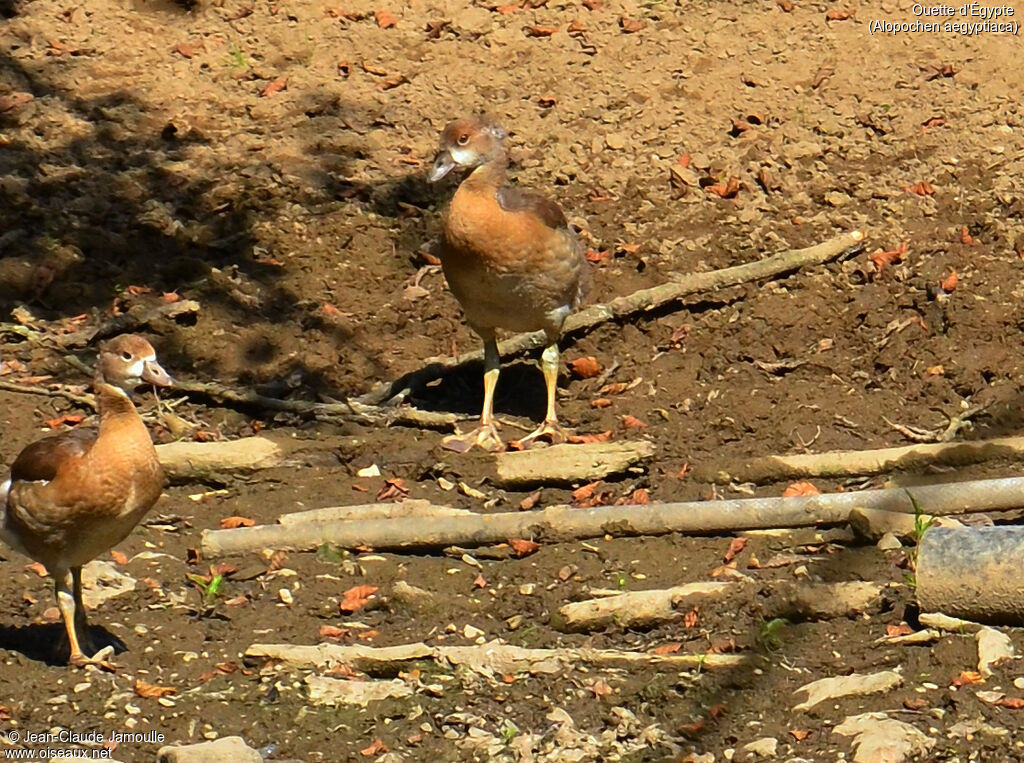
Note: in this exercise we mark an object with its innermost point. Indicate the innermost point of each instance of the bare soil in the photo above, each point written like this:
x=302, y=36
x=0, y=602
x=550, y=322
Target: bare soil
x=267, y=160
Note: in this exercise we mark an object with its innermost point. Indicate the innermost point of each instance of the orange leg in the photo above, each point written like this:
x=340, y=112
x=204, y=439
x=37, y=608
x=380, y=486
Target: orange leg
x=486, y=435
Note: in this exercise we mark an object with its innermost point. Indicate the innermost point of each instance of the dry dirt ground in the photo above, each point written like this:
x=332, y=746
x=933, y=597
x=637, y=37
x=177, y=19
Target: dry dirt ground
x=267, y=161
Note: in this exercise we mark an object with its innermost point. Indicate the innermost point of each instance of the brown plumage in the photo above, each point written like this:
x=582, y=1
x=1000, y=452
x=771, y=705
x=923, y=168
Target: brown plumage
x=75, y=495
x=511, y=260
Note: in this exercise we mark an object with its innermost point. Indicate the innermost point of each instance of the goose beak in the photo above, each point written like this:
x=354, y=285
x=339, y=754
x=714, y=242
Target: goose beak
x=153, y=373
x=443, y=164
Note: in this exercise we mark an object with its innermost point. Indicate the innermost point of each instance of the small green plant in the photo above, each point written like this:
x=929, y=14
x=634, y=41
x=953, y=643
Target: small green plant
x=236, y=57
x=770, y=634
x=508, y=731
x=210, y=586
x=328, y=554
x=621, y=579
x=921, y=526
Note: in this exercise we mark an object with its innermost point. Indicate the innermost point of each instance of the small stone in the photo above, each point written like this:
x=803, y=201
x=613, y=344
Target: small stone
x=615, y=141
x=764, y=747
x=226, y=750
x=889, y=542
x=472, y=632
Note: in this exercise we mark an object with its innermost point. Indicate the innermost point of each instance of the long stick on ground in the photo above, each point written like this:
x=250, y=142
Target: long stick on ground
x=566, y=522
x=850, y=463
x=640, y=301
x=493, y=657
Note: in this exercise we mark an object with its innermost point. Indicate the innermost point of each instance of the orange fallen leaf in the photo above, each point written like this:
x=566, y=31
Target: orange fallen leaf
x=630, y=26
x=530, y=501
x=585, y=492
x=1011, y=703
x=37, y=568
x=898, y=630
x=333, y=632
x=385, y=19
x=799, y=734
x=632, y=422
x=599, y=688
x=690, y=618
x=582, y=439
x=375, y=70
x=279, y=84
x=915, y=703
x=137, y=291
x=735, y=547
x=118, y=557
x=682, y=473
x=151, y=691
x=800, y=489
x=966, y=237
x=933, y=122
x=575, y=27
x=585, y=368
x=185, y=50
x=68, y=418
x=535, y=30
x=948, y=284
x=523, y=547
x=639, y=497
x=968, y=677
x=331, y=310
x=231, y=523
x=357, y=597
x=376, y=748
x=684, y=161
x=598, y=257
x=726, y=190
x=935, y=370
x=394, y=487
x=506, y=9
x=839, y=15
x=601, y=402
x=924, y=188
x=881, y=259
x=170, y=296
x=670, y=648
x=785, y=5
x=479, y=582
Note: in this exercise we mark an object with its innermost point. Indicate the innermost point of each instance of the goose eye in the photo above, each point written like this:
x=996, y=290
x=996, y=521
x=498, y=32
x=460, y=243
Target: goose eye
x=126, y=355
x=463, y=139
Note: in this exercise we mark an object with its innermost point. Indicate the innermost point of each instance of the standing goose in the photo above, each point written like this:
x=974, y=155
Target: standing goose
x=512, y=262
x=75, y=495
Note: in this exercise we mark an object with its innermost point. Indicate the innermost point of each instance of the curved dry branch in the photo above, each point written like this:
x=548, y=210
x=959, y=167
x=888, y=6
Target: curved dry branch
x=638, y=302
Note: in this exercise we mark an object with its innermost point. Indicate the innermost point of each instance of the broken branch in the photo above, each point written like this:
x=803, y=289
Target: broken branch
x=638, y=302
x=566, y=522
x=850, y=463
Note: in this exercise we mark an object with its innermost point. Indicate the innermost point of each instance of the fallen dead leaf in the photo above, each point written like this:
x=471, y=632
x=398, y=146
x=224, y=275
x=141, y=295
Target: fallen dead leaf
x=185, y=50
x=151, y=691
x=356, y=598
x=376, y=747
x=506, y=9
x=785, y=5
x=575, y=27
x=898, y=630
x=279, y=84
x=935, y=371
x=231, y=523
x=599, y=689
x=582, y=439
x=68, y=418
x=530, y=501
x=585, y=368
x=839, y=15
x=735, y=547
x=949, y=283
x=385, y=19
x=333, y=632
x=118, y=557
x=523, y=547
x=630, y=26
x=924, y=188
x=632, y=422
x=37, y=568
x=479, y=582
x=881, y=259
x=393, y=488
x=966, y=238
x=601, y=402
x=968, y=677
x=535, y=30
x=670, y=648
x=800, y=489
x=690, y=618
x=933, y=122
x=726, y=190
x=799, y=734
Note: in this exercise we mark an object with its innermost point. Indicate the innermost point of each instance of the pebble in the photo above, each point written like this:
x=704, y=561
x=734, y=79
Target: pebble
x=224, y=750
